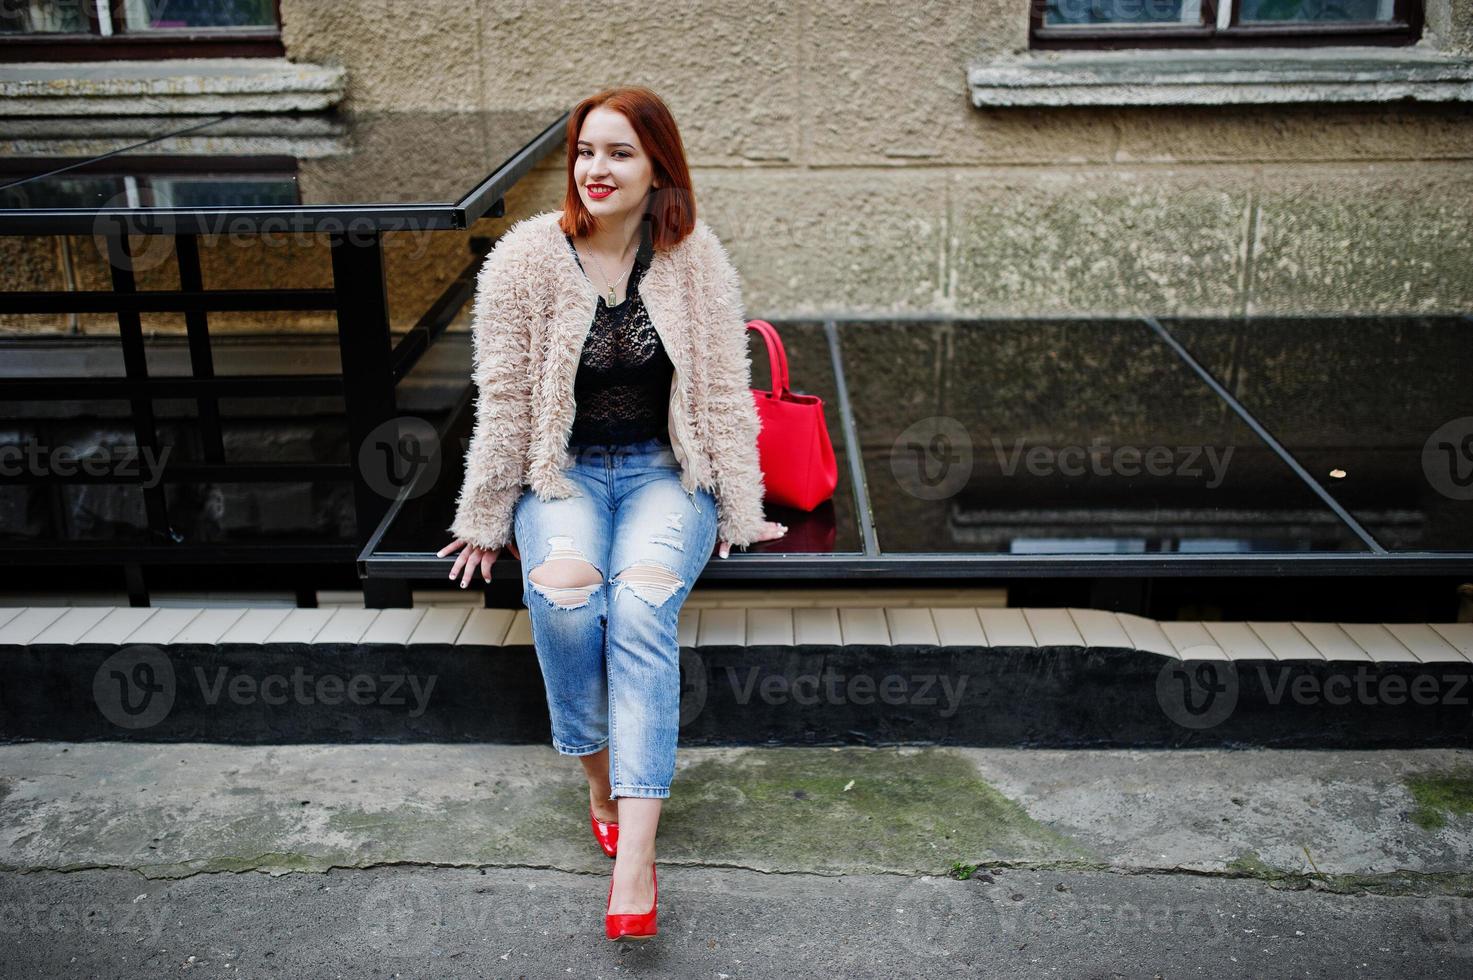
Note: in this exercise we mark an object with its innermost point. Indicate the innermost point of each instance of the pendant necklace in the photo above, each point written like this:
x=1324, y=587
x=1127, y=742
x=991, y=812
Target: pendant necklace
x=612, y=295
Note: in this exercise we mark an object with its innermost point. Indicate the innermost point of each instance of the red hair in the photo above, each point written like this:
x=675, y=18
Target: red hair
x=671, y=214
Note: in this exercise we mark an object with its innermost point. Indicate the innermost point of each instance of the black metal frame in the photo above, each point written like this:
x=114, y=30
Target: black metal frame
x=372, y=364
x=341, y=219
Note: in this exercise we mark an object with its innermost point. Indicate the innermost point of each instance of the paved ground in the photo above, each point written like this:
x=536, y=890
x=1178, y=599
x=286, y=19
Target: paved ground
x=435, y=860
x=456, y=922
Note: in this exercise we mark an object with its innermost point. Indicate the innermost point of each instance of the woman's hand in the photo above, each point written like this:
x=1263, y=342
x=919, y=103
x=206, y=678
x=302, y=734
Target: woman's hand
x=770, y=532
x=472, y=556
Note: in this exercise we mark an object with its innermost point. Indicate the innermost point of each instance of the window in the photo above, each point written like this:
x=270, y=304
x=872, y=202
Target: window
x=1222, y=23
x=92, y=30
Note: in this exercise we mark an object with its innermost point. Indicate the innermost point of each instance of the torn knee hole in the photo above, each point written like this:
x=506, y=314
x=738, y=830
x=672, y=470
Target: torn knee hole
x=566, y=578
x=654, y=584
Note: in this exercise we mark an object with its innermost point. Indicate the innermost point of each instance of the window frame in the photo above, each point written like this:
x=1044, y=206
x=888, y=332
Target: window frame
x=93, y=45
x=1404, y=28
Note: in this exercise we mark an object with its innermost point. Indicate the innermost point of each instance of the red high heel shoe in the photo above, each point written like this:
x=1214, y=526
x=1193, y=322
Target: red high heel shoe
x=607, y=834
x=632, y=925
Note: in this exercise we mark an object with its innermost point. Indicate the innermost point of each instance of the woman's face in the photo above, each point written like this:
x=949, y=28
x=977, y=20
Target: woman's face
x=610, y=156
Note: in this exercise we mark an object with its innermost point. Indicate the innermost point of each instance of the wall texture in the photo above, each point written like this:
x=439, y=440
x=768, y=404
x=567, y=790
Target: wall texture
x=836, y=151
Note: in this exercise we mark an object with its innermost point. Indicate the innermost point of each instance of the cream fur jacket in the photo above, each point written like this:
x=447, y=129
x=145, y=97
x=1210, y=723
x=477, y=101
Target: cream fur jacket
x=532, y=312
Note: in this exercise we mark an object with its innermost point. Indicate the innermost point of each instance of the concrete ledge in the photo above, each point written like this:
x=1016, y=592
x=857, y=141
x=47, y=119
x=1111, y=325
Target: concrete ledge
x=1221, y=77
x=815, y=676
x=192, y=85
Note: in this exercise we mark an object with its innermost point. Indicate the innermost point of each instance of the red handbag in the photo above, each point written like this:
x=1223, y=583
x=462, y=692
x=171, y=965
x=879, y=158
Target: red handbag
x=793, y=446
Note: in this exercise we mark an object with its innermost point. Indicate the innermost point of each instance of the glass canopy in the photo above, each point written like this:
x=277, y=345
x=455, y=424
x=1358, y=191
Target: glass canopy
x=1103, y=447
x=263, y=172
x=1131, y=446
x=1379, y=412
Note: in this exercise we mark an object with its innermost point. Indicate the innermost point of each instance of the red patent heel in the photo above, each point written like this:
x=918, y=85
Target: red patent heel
x=607, y=834
x=632, y=925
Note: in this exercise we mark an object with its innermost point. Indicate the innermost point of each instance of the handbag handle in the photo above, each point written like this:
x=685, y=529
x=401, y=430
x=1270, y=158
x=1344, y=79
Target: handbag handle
x=777, y=357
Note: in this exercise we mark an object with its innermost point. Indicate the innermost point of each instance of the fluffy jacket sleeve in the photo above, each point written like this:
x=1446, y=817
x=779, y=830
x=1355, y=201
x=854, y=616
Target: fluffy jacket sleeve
x=731, y=417
x=495, y=460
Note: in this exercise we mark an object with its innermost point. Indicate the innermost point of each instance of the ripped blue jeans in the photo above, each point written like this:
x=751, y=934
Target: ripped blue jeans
x=608, y=646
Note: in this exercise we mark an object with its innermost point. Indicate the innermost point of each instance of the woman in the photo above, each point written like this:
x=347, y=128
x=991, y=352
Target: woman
x=614, y=383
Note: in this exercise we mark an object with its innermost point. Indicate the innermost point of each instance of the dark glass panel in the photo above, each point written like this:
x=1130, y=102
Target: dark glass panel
x=1378, y=410
x=1050, y=436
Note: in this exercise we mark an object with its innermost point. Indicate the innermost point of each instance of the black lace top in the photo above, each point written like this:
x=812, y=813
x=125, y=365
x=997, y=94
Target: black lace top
x=623, y=385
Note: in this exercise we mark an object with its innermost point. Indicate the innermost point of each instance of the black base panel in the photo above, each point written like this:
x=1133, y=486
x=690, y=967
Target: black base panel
x=814, y=695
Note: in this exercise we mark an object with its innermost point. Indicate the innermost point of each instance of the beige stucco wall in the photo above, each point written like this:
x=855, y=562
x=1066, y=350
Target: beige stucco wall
x=836, y=151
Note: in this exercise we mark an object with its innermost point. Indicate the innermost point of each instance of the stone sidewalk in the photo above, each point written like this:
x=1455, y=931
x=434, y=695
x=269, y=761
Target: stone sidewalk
x=452, y=860
x=1391, y=821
